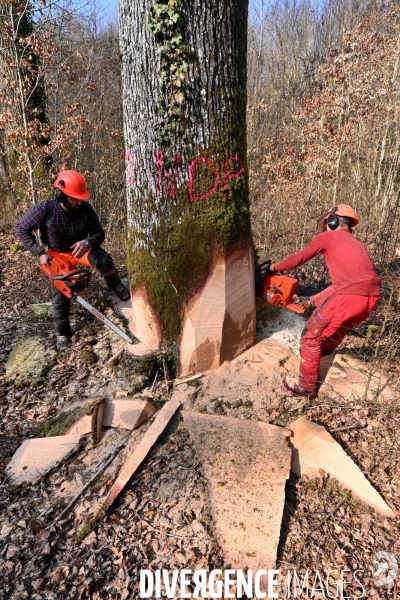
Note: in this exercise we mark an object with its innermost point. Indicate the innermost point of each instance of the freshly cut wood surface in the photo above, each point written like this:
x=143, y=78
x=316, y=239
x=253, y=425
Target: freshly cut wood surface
x=247, y=464
x=316, y=449
x=140, y=452
x=127, y=413
x=219, y=320
x=36, y=457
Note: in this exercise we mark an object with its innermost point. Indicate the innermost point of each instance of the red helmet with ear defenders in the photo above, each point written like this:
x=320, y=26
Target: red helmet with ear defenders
x=331, y=217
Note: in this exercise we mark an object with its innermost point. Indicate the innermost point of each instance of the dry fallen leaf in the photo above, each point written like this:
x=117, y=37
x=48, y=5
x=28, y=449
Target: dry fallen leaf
x=180, y=557
x=197, y=527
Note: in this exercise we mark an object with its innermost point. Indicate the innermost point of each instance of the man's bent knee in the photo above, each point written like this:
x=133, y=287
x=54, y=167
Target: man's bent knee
x=102, y=260
x=108, y=268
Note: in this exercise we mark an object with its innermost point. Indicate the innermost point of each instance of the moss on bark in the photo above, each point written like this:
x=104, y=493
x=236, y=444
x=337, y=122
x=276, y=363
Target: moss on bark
x=177, y=259
x=173, y=238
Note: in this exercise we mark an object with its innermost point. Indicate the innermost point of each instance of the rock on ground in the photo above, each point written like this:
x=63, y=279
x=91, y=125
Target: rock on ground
x=28, y=360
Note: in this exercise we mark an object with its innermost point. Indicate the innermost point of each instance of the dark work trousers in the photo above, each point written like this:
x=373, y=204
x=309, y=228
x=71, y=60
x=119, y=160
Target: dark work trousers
x=100, y=260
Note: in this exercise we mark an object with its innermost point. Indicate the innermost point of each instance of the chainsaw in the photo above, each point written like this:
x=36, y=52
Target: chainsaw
x=278, y=289
x=72, y=282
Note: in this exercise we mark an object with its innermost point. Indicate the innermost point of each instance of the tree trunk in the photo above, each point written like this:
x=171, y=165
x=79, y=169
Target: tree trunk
x=5, y=179
x=190, y=257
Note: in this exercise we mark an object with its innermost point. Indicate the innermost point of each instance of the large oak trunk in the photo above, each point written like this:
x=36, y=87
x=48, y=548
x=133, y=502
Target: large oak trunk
x=190, y=257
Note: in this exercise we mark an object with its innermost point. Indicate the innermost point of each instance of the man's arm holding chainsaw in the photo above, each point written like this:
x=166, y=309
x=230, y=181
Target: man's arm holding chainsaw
x=316, y=246
x=31, y=221
x=95, y=237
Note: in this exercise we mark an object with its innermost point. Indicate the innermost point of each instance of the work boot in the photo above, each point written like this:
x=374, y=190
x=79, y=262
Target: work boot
x=293, y=386
x=122, y=292
x=62, y=342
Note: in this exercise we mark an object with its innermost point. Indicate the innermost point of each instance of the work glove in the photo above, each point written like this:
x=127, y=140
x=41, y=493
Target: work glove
x=304, y=302
x=273, y=269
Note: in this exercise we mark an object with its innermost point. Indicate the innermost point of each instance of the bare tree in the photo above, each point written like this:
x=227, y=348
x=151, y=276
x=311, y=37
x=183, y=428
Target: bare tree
x=23, y=101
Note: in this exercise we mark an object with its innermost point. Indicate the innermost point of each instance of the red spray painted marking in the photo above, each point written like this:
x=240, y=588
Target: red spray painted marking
x=192, y=168
x=228, y=175
x=171, y=187
x=161, y=169
x=131, y=163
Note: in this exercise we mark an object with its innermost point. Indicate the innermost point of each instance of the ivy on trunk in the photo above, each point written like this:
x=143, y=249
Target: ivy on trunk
x=184, y=82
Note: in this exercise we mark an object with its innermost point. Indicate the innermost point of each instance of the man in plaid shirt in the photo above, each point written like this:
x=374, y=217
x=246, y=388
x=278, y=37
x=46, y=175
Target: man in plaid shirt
x=69, y=225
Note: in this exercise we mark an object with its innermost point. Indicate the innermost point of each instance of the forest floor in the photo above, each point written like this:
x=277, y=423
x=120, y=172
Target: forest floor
x=162, y=519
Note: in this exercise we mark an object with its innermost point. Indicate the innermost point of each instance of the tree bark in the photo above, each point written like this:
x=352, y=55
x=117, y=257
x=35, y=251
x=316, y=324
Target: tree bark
x=190, y=258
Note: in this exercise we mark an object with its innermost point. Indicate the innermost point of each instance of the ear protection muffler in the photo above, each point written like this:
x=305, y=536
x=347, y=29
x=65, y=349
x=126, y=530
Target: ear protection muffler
x=333, y=220
x=60, y=196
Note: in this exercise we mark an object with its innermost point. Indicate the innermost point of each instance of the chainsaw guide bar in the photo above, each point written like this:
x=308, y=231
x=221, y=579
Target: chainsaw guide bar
x=72, y=282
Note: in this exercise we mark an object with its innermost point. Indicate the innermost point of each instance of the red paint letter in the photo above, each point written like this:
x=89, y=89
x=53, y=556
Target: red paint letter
x=161, y=169
x=228, y=175
x=192, y=168
x=129, y=170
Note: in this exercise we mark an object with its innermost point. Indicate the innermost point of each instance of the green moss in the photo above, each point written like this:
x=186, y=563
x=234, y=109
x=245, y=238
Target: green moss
x=124, y=322
x=194, y=383
x=41, y=311
x=371, y=331
x=312, y=484
x=57, y=425
x=88, y=527
x=148, y=367
x=178, y=255
x=240, y=403
x=156, y=362
x=137, y=387
x=16, y=247
x=28, y=361
x=90, y=356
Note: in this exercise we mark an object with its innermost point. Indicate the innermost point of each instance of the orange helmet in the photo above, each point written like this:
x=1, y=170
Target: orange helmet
x=341, y=210
x=71, y=183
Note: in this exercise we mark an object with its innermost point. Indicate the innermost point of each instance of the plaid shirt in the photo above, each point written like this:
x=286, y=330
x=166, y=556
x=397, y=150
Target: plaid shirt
x=64, y=229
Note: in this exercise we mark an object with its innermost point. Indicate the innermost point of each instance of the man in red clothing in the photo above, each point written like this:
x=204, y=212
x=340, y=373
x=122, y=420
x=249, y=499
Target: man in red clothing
x=351, y=298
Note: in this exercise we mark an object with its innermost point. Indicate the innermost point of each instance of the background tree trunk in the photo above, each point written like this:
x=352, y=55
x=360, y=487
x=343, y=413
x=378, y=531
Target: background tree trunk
x=190, y=256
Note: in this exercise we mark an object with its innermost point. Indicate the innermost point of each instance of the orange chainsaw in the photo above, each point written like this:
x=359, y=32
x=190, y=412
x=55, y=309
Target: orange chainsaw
x=72, y=282
x=278, y=289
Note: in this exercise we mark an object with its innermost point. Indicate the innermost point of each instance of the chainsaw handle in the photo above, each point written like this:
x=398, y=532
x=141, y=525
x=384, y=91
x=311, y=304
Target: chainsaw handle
x=263, y=271
x=67, y=275
x=264, y=266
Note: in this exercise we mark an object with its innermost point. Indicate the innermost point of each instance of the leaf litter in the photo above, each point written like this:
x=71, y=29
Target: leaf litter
x=162, y=519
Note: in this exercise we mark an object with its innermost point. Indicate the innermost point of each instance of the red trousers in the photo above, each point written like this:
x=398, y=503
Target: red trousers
x=326, y=329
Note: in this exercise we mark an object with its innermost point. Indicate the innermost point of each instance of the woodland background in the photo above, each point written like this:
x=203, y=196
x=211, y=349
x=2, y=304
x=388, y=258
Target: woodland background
x=323, y=122
x=323, y=128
